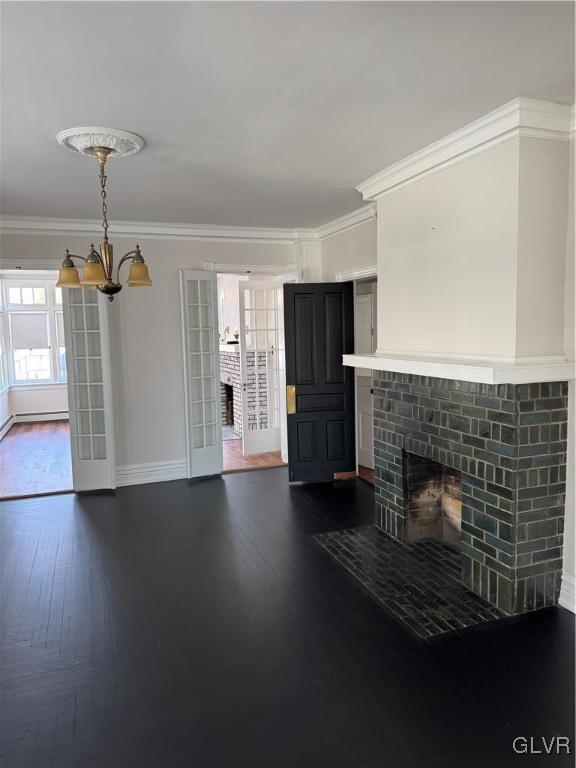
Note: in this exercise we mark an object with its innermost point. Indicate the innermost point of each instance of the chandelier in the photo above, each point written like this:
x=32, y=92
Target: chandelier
x=99, y=270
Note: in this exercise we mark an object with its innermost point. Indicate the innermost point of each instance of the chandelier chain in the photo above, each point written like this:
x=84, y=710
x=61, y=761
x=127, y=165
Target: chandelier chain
x=103, y=177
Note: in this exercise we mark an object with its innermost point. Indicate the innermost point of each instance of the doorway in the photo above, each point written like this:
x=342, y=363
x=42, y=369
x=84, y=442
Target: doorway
x=35, y=447
x=251, y=338
x=365, y=342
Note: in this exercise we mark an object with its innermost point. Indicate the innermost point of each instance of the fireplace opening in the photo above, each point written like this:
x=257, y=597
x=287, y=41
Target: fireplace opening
x=228, y=404
x=433, y=498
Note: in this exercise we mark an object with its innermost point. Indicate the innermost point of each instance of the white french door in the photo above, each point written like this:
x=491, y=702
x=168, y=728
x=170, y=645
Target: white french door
x=89, y=389
x=198, y=295
x=261, y=365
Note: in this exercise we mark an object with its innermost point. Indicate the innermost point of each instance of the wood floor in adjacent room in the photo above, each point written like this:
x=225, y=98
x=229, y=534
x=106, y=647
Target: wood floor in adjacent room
x=199, y=624
x=35, y=458
x=234, y=459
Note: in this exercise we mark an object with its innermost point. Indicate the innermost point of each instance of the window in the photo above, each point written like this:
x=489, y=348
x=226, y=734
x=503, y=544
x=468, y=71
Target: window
x=27, y=295
x=60, y=341
x=33, y=334
x=30, y=346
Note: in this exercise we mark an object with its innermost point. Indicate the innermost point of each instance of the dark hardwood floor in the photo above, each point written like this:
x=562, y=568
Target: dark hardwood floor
x=199, y=624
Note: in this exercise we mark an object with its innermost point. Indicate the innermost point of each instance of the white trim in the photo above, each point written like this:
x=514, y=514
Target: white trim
x=21, y=418
x=27, y=387
x=15, y=267
x=349, y=220
x=256, y=269
x=154, y=230
x=482, y=370
x=362, y=273
x=155, y=472
x=151, y=230
x=567, y=597
x=521, y=117
x=475, y=359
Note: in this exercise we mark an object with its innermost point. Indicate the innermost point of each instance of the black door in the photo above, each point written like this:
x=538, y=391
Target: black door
x=319, y=328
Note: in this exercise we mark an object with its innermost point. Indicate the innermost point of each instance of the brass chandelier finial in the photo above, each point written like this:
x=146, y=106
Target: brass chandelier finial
x=99, y=271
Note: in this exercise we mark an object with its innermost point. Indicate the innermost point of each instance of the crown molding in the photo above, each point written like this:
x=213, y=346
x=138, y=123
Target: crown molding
x=39, y=225
x=349, y=220
x=532, y=118
x=362, y=273
x=152, y=230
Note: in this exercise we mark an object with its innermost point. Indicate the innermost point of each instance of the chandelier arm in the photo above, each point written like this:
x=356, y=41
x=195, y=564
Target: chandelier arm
x=75, y=256
x=129, y=255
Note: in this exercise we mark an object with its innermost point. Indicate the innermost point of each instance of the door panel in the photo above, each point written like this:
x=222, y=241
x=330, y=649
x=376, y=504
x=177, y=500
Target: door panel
x=89, y=389
x=364, y=325
x=319, y=329
x=304, y=353
x=198, y=295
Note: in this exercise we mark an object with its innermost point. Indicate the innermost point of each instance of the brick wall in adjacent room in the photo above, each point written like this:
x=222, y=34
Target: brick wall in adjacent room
x=230, y=374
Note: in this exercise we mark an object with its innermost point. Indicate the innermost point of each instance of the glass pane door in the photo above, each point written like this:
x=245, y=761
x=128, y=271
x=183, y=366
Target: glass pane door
x=89, y=389
x=261, y=339
x=201, y=372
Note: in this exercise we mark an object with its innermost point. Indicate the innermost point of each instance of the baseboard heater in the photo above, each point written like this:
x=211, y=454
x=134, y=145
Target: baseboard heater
x=6, y=426
x=44, y=416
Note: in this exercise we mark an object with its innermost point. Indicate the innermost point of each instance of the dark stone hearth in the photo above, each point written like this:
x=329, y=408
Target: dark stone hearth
x=509, y=443
x=419, y=583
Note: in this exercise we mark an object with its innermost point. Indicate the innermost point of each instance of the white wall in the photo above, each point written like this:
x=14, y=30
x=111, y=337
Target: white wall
x=351, y=249
x=569, y=555
x=543, y=212
x=38, y=398
x=471, y=258
x=228, y=304
x=447, y=247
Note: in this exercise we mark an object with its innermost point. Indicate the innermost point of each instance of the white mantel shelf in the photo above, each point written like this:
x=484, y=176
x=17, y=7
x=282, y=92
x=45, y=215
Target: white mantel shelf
x=483, y=371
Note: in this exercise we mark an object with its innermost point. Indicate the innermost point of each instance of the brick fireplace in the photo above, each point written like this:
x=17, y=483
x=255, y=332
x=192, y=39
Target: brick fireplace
x=493, y=454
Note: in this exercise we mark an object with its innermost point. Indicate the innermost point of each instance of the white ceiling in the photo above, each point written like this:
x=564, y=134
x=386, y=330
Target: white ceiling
x=257, y=114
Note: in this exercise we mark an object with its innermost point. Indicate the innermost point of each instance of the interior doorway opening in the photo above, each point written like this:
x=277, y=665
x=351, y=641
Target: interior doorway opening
x=35, y=448
x=365, y=342
x=251, y=339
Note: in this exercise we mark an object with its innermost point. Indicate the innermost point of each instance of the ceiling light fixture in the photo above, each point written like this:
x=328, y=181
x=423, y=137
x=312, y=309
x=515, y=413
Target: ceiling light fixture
x=99, y=270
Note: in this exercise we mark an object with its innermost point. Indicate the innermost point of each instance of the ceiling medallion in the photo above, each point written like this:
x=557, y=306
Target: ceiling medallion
x=99, y=271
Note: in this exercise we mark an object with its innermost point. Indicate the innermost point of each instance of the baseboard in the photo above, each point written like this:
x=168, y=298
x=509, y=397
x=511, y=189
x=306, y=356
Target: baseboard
x=6, y=426
x=155, y=472
x=21, y=418
x=568, y=592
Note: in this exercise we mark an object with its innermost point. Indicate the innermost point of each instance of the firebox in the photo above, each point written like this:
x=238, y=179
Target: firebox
x=433, y=500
